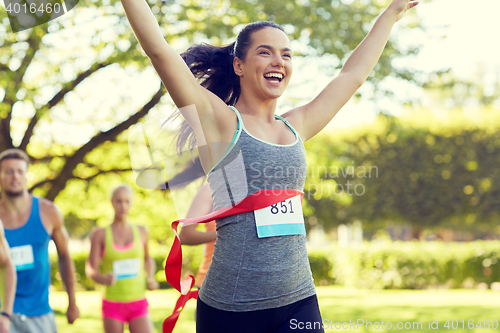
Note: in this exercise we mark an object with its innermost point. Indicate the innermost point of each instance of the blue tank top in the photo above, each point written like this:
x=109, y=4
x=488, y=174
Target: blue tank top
x=30, y=245
x=249, y=273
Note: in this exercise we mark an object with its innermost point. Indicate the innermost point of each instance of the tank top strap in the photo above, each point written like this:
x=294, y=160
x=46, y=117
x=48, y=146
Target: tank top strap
x=275, y=116
x=239, y=125
x=108, y=243
x=137, y=234
x=35, y=210
x=237, y=113
x=287, y=124
x=235, y=137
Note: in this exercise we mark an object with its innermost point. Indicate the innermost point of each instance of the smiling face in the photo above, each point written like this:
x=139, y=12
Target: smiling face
x=267, y=67
x=13, y=176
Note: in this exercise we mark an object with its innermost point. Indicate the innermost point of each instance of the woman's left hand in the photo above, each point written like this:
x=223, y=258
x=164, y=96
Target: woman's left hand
x=399, y=7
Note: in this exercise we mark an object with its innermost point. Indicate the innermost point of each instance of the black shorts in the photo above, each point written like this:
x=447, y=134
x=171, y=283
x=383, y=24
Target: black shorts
x=301, y=316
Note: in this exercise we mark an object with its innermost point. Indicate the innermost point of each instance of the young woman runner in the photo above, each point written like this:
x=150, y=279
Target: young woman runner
x=259, y=279
x=121, y=250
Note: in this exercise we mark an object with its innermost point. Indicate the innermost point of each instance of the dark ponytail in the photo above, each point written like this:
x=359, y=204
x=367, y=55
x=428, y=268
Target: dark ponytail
x=213, y=67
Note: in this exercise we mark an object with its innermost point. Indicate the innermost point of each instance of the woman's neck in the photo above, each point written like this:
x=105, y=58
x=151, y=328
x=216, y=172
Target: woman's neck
x=263, y=109
x=120, y=222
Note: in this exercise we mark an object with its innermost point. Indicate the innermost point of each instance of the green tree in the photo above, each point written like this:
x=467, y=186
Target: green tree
x=448, y=90
x=427, y=173
x=67, y=77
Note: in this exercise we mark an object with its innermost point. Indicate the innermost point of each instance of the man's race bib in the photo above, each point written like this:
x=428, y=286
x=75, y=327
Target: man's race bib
x=283, y=218
x=126, y=269
x=22, y=257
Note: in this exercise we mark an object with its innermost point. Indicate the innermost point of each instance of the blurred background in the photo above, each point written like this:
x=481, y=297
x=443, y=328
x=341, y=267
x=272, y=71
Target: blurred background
x=403, y=186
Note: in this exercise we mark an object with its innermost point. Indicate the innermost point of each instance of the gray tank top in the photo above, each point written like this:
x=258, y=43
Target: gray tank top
x=248, y=273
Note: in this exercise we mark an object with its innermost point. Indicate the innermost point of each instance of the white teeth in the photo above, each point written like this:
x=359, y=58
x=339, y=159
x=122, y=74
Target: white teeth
x=276, y=75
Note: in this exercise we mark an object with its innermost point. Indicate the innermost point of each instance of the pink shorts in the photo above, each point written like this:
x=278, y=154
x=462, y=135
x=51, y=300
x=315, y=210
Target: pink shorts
x=124, y=312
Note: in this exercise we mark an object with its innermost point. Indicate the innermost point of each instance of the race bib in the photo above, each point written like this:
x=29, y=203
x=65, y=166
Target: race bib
x=126, y=269
x=22, y=257
x=283, y=218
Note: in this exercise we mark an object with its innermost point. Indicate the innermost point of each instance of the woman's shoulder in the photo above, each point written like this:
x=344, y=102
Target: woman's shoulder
x=97, y=233
x=139, y=227
x=143, y=230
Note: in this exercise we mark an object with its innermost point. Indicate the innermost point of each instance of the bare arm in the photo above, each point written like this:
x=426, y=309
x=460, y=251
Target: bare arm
x=174, y=73
x=4, y=248
x=311, y=118
x=201, y=205
x=92, y=264
x=66, y=265
x=177, y=78
x=10, y=281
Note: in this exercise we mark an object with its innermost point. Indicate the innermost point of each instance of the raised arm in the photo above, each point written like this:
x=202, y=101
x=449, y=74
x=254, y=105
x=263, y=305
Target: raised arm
x=201, y=205
x=174, y=73
x=311, y=118
x=176, y=76
x=10, y=281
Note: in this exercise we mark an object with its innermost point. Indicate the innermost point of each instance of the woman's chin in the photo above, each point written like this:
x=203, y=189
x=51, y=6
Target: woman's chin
x=274, y=92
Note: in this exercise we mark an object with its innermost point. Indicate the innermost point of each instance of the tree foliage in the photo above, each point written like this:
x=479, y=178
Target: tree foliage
x=421, y=171
x=67, y=93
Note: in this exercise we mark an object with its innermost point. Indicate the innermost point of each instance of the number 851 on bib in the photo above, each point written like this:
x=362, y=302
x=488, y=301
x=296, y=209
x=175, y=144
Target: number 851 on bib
x=281, y=219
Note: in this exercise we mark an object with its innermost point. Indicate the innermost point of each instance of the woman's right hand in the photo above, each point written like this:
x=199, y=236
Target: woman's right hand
x=109, y=279
x=399, y=7
x=153, y=284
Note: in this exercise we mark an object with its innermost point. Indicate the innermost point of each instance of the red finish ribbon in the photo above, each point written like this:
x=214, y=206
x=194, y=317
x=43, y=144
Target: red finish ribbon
x=173, y=266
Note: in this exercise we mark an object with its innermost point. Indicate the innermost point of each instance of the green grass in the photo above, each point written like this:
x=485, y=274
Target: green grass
x=336, y=304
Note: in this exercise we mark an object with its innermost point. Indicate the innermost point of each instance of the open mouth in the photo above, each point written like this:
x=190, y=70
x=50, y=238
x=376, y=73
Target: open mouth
x=274, y=77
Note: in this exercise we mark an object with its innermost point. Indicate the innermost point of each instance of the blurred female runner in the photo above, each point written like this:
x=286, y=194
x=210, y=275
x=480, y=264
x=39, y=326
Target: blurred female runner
x=121, y=250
